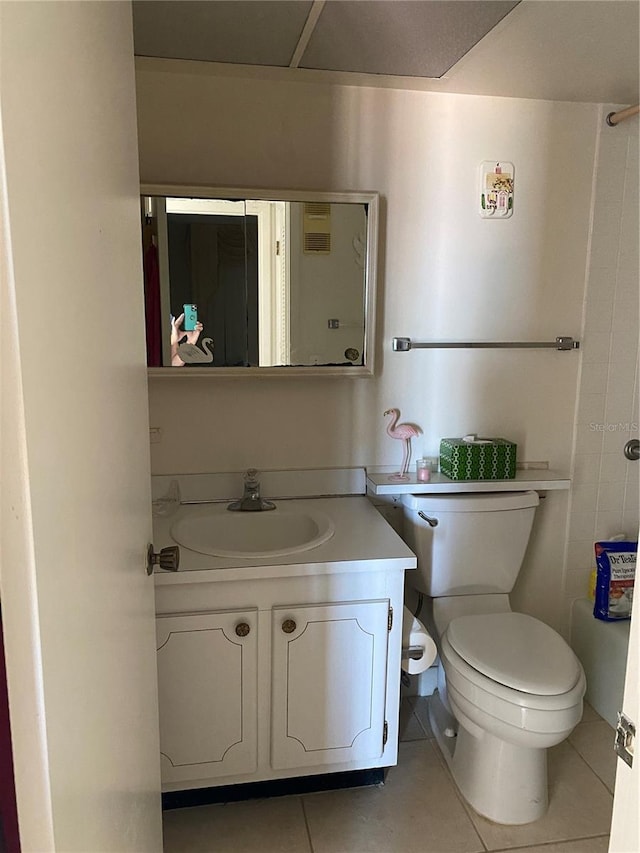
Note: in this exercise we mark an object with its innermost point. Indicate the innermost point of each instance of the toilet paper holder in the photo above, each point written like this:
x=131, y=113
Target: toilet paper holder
x=412, y=652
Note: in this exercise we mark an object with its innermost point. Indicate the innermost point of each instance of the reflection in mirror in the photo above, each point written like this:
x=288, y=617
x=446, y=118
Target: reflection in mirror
x=257, y=282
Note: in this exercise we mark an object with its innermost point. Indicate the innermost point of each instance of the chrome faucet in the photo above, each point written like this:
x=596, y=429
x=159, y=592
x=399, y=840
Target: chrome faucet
x=251, y=500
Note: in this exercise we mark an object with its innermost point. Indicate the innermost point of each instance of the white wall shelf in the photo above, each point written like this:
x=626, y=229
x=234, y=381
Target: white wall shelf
x=379, y=483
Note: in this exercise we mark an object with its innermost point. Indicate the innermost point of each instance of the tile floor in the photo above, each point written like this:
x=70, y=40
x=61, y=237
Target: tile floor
x=418, y=810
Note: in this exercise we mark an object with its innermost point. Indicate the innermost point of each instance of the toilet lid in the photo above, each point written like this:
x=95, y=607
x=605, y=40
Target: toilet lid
x=515, y=650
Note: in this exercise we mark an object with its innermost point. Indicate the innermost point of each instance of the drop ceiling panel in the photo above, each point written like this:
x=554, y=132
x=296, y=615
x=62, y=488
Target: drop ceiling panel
x=411, y=38
x=251, y=33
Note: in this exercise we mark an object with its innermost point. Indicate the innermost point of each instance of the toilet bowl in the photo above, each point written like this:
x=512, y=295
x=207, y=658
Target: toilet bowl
x=509, y=686
x=504, y=722
x=517, y=716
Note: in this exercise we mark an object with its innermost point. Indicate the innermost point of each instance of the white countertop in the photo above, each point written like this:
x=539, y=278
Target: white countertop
x=380, y=483
x=363, y=541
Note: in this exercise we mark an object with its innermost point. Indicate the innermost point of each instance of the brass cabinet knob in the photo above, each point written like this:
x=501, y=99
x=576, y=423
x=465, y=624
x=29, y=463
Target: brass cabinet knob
x=242, y=629
x=289, y=626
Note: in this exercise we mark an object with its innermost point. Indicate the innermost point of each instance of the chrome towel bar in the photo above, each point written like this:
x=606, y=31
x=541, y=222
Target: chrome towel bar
x=560, y=343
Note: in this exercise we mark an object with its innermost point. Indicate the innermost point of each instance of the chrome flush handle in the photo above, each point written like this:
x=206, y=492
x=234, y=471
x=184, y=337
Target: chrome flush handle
x=432, y=522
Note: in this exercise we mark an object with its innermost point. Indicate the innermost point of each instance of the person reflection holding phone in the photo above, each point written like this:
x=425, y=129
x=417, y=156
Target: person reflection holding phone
x=180, y=336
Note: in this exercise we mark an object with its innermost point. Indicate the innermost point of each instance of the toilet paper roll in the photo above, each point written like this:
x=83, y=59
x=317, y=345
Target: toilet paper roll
x=415, y=635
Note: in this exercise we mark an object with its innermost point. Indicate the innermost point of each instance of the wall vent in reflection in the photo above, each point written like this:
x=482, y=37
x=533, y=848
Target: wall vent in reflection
x=317, y=228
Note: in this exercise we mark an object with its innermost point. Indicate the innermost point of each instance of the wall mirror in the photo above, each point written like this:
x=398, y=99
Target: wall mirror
x=259, y=282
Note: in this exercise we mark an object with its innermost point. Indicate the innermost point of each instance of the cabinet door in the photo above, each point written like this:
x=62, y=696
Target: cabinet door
x=207, y=685
x=329, y=683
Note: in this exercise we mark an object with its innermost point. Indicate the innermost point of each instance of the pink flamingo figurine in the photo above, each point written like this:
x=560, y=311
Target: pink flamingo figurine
x=405, y=432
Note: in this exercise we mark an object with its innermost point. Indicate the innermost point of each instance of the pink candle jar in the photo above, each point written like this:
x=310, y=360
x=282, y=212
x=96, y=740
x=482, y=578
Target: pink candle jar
x=423, y=470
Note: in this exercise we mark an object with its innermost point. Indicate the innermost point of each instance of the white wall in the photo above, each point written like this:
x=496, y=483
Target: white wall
x=605, y=495
x=444, y=273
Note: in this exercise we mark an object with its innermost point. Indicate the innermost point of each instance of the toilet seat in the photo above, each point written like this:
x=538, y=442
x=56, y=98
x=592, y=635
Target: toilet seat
x=516, y=651
x=506, y=703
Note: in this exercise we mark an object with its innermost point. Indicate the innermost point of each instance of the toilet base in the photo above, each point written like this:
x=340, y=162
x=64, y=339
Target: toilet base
x=501, y=781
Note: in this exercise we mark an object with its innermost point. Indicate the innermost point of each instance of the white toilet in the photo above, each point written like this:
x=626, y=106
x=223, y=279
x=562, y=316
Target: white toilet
x=509, y=686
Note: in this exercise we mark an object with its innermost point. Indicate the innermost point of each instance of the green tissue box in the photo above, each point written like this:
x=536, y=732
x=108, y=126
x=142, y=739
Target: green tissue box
x=482, y=459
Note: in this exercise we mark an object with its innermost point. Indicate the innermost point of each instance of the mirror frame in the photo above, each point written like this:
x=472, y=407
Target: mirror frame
x=371, y=199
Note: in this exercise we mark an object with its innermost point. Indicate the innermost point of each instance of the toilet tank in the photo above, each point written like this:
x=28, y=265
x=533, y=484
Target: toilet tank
x=475, y=543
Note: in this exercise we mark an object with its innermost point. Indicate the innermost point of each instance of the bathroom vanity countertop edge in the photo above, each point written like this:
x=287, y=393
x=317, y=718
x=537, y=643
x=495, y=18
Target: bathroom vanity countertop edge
x=282, y=570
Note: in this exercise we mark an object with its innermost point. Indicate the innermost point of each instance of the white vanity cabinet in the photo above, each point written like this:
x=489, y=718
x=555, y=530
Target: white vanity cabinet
x=310, y=686
x=207, y=690
x=329, y=676
x=284, y=667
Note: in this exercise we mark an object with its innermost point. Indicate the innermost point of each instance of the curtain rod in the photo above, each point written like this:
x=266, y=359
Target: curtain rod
x=615, y=118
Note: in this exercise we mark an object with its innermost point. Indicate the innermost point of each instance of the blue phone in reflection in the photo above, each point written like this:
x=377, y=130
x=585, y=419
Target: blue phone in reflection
x=190, y=317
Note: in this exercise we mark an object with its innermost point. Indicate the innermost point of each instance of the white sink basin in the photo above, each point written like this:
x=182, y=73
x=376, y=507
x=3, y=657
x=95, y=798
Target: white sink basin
x=275, y=533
